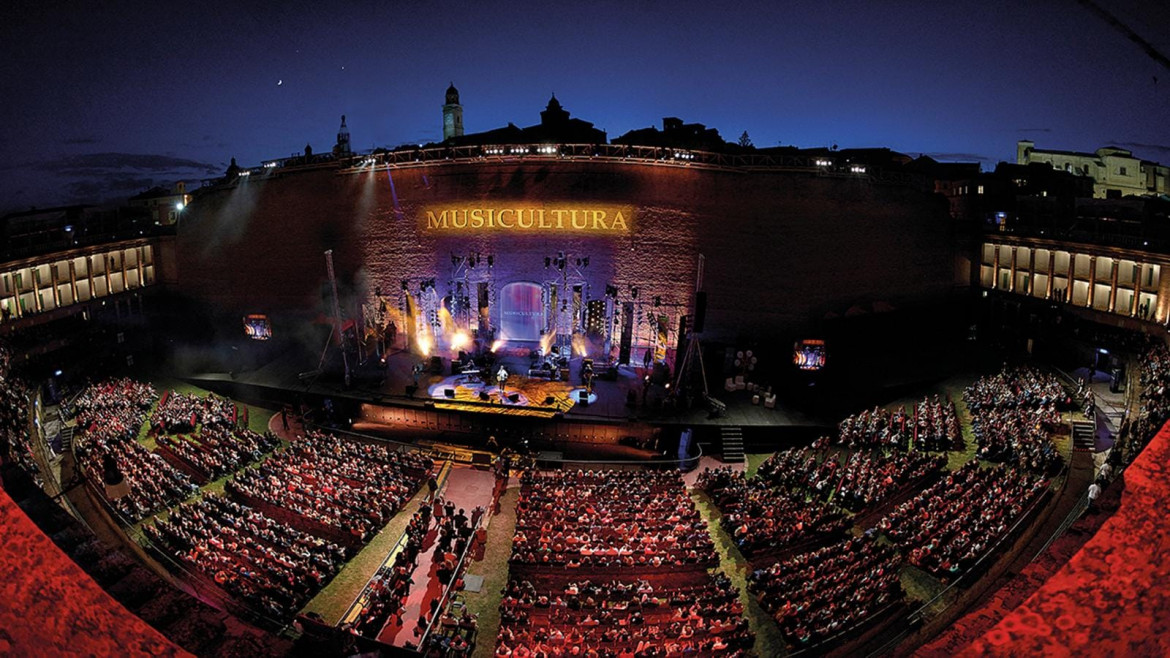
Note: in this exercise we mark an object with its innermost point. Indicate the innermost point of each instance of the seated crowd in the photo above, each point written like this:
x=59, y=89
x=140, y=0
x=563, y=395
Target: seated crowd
x=622, y=618
x=936, y=425
x=182, y=412
x=764, y=519
x=109, y=416
x=816, y=595
x=643, y=523
x=608, y=519
x=876, y=428
x=1014, y=414
x=1154, y=376
x=273, y=568
x=217, y=450
x=948, y=526
x=339, y=486
x=14, y=435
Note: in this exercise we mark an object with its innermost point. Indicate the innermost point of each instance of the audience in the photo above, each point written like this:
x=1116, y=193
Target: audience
x=109, y=417
x=816, y=595
x=268, y=565
x=1013, y=416
x=333, y=486
x=947, y=527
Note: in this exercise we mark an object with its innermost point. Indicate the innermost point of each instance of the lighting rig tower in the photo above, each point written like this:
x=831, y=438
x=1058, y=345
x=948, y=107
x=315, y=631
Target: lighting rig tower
x=337, y=314
x=564, y=316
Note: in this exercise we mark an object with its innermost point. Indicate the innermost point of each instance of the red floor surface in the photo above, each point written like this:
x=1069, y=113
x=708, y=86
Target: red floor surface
x=50, y=607
x=467, y=488
x=1111, y=599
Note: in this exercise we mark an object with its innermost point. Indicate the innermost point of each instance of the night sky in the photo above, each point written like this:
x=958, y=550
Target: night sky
x=102, y=100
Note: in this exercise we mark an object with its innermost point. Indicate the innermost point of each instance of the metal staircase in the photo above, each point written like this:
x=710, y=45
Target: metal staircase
x=732, y=438
x=1084, y=435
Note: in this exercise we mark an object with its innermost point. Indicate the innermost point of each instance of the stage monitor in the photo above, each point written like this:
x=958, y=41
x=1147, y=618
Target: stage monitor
x=257, y=327
x=809, y=354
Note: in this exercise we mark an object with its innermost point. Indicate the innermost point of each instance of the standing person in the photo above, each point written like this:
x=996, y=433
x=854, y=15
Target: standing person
x=1094, y=493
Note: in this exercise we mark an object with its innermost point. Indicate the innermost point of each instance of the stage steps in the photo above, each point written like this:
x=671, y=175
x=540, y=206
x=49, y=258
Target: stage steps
x=1084, y=435
x=732, y=438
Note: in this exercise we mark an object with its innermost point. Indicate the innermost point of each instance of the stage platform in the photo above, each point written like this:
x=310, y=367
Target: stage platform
x=284, y=381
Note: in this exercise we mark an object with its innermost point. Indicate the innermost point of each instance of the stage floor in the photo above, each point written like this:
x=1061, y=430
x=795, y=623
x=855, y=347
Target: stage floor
x=608, y=403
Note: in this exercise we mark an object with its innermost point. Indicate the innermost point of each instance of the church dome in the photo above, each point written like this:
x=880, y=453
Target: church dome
x=452, y=95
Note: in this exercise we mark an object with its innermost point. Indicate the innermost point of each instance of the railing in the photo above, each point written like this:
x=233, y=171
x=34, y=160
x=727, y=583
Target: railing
x=446, y=594
x=833, y=165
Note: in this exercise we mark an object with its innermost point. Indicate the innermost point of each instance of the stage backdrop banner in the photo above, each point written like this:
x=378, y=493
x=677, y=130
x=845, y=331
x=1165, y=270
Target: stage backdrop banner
x=521, y=315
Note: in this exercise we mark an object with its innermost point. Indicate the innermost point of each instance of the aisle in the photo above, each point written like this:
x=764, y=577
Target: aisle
x=467, y=488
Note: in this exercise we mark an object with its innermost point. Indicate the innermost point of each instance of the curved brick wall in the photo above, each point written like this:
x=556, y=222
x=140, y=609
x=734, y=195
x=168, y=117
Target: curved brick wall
x=782, y=248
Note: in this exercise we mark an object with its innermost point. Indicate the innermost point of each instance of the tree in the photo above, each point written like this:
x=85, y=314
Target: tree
x=745, y=141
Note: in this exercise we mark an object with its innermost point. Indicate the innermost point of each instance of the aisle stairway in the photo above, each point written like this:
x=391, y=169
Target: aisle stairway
x=1084, y=435
x=732, y=438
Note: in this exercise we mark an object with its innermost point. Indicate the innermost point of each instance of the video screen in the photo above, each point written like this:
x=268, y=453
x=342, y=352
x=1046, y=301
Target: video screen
x=809, y=354
x=257, y=327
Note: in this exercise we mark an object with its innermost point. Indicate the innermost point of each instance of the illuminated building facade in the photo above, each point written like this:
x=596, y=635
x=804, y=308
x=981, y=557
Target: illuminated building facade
x=1115, y=171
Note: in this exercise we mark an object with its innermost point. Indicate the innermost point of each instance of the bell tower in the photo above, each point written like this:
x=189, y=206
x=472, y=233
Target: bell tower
x=342, y=146
x=452, y=115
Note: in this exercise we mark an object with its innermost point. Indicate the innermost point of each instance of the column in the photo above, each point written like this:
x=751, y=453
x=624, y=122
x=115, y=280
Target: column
x=1012, y=282
x=1113, y=286
x=1092, y=281
x=73, y=279
x=56, y=293
x=1031, y=272
x=89, y=273
x=125, y=282
x=35, y=272
x=141, y=268
x=995, y=269
x=1051, y=273
x=1072, y=268
x=1137, y=291
x=106, y=261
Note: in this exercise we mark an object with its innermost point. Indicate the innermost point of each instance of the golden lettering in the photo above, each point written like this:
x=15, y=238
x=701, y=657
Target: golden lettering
x=605, y=220
x=619, y=222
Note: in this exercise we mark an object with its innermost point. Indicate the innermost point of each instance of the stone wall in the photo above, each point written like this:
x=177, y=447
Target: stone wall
x=782, y=248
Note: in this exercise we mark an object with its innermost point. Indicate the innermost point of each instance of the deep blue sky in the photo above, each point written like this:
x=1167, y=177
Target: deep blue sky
x=101, y=101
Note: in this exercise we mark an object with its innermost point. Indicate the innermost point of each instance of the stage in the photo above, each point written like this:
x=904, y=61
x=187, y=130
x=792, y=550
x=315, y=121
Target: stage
x=395, y=400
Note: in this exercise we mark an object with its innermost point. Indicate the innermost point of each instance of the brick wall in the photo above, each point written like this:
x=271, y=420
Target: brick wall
x=782, y=248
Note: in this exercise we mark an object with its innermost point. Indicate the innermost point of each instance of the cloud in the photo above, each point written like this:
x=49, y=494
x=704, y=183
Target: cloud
x=1160, y=148
x=80, y=140
x=959, y=157
x=1033, y=130
x=96, y=164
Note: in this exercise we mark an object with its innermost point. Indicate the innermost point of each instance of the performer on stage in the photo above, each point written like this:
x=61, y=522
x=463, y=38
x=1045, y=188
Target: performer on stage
x=501, y=377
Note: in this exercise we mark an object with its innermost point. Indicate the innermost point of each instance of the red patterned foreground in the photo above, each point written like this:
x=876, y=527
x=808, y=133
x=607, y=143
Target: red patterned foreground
x=1110, y=599
x=50, y=607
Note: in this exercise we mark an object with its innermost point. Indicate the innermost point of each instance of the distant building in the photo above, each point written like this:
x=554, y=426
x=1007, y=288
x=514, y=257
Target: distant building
x=164, y=204
x=452, y=115
x=676, y=134
x=1115, y=171
x=555, y=127
x=342, y=149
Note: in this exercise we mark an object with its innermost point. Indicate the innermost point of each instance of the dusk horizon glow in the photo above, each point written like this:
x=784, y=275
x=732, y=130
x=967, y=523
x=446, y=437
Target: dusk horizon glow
x=109, y=103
